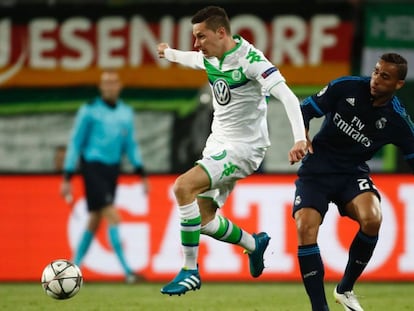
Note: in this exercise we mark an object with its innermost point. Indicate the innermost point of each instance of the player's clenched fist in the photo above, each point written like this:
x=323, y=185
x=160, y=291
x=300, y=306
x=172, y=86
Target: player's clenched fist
x=298, y=151
x=161, y=48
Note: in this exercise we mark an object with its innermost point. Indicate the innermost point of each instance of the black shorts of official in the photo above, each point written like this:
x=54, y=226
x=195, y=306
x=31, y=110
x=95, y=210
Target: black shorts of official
x=100, y=182
x=319, y=190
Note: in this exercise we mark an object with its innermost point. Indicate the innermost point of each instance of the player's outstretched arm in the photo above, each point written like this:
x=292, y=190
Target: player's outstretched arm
x=292, y=106
x=190, y=59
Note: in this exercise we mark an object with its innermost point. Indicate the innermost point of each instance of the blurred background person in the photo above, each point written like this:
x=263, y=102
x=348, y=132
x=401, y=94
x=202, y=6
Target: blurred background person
x=103, y=132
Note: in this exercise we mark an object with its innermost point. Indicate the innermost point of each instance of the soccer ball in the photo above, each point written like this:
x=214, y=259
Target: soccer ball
x=61, y=279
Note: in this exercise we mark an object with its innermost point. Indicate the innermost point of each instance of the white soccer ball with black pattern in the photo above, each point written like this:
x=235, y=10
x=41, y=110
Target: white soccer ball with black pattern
x=61, y=279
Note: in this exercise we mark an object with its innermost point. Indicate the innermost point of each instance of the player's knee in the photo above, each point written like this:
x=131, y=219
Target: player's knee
x=307, y=225
x=182, y=188
x=113, y=219
x=371, y=225
x=307, y=232
x=179, y=186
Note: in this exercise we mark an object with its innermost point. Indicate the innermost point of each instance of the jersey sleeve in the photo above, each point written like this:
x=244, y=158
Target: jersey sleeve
x=77, y=139
x=258, y=67
x=190, y=59
x=319, y=104
x=292, y=107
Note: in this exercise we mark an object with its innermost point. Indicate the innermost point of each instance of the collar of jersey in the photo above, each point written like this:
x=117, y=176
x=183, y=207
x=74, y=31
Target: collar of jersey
x=238, y=40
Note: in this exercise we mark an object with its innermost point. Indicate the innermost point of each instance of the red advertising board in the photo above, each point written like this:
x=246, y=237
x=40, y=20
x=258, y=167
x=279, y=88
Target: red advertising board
x=37, y=226
x=49, y=46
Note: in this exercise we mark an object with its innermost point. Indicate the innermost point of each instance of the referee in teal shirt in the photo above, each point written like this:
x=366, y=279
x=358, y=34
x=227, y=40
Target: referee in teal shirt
x=103, y=132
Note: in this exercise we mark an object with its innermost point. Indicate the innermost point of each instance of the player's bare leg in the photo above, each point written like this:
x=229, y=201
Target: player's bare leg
x=223, y=229
x=186, y=188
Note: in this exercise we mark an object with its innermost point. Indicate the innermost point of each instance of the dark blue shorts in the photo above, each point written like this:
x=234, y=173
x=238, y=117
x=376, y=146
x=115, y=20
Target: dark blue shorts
x=319, y=190
x=100, y=182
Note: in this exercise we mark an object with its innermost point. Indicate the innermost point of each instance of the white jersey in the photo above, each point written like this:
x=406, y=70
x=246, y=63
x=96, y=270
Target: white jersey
x=240, y=83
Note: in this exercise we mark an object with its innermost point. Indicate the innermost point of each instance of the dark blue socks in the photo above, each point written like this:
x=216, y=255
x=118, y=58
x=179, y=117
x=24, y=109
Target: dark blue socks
x=312, y=271
x=360, y=252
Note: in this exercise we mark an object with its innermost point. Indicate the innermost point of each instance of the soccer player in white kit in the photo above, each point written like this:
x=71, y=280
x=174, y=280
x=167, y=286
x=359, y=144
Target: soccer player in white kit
x=240, y=77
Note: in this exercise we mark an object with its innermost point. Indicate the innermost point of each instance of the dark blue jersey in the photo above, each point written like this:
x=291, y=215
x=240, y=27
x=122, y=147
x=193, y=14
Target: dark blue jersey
x=353, y=129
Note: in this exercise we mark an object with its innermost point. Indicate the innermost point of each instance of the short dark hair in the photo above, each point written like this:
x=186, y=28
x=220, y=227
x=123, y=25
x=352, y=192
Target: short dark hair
x=214, y=17
x=399, y=61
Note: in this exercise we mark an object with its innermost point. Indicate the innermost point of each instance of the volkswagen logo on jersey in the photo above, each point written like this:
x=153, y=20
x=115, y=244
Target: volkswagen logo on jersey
x=221, y=91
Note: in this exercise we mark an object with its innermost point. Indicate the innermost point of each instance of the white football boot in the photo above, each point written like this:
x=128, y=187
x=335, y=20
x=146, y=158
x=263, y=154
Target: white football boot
x=348, y=300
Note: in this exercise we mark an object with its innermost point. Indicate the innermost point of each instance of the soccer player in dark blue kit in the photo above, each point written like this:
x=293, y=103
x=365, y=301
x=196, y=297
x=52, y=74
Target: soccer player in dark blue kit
x=103, y=132
x=362, y=114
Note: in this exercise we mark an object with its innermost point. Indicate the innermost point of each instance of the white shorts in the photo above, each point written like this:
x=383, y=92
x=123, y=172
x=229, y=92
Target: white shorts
x=227, y=163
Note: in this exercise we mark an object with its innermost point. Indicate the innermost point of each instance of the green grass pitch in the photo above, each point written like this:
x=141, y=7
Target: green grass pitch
x=253, y=296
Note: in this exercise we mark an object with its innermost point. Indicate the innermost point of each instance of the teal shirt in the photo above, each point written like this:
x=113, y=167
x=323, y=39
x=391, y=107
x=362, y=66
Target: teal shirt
x=102, y=133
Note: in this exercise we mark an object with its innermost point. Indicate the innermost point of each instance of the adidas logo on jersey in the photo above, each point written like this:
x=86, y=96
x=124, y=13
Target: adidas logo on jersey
x=351, y=101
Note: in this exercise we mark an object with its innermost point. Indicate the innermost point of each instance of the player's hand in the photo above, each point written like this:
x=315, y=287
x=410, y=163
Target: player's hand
x=66, y=191
x=298, y=151
x=161, y=47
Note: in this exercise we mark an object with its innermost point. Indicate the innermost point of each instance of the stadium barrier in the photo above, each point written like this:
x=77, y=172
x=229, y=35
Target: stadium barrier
x=37, y=226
